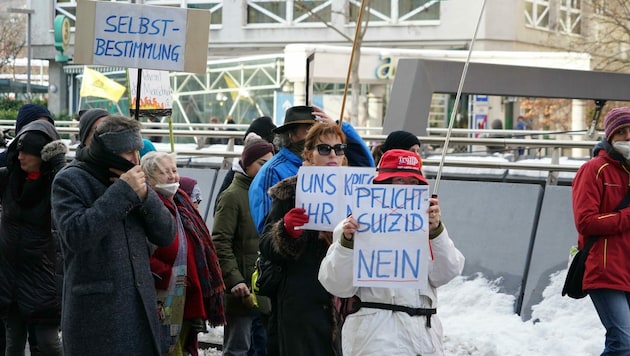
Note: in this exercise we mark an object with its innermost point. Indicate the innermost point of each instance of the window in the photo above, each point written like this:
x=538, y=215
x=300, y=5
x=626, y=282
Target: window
x=288, y=12
x=564, y=16
x=537, y=14
x=397, y=11
x=570, y=16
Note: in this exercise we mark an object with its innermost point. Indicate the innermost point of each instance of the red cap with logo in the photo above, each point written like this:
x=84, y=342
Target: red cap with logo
x=400, y=163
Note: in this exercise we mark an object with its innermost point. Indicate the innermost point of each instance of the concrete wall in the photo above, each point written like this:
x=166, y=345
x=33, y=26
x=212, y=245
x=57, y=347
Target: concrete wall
x=516, y=233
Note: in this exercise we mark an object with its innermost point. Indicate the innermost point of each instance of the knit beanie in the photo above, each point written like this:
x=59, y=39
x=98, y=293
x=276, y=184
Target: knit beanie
x=87, y=119
x=29, y=113
x=400, y=140
x=615, y=119
x=190, y=186
x=32, y=142
x=147, y=147
x=263, y=127
x=253, y=151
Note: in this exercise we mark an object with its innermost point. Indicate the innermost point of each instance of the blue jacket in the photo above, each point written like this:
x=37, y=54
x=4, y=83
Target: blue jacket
x=286, y=164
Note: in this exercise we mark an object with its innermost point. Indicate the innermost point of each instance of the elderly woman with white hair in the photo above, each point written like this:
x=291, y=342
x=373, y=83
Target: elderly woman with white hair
x=187, y=274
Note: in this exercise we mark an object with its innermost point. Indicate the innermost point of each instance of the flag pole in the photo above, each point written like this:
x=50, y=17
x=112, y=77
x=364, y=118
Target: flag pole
x=354, y=46
x=455, y=105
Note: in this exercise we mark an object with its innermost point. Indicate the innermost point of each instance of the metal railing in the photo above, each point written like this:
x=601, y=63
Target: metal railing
x=459, y=137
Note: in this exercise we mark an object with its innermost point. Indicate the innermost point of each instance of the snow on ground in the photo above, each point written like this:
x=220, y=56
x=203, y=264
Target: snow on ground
x=478, y=320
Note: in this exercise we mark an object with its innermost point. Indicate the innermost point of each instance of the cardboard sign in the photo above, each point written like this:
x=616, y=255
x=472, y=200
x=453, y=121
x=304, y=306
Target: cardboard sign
x=141, y=36
x=325, y=193
x=391, y=246
x=155, y=91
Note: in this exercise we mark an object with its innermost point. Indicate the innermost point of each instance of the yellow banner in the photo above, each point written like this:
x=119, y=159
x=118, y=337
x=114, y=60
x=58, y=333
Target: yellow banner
x=97, y=84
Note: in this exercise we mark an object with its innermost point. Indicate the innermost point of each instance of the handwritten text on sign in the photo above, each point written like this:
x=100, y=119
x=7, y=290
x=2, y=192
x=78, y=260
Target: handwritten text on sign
x=391, y=247
x=140, y=36
x=155, y=91
x=325, y=193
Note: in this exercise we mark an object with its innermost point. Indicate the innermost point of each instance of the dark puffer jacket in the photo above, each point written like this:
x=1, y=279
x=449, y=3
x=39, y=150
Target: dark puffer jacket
x=28, y=250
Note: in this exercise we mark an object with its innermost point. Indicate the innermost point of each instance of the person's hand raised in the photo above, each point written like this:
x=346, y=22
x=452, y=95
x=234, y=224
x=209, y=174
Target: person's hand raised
x=321, y=116
x=350, y=226
x=294, y=218
x=135, y=178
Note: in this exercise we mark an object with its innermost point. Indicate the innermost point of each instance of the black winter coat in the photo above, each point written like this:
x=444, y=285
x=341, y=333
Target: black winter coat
x=305, y=320
x=29, y=259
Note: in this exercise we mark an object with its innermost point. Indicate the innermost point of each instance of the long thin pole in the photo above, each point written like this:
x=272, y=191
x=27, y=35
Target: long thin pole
x=456, y=105
x=354, y=46
x=28, y=63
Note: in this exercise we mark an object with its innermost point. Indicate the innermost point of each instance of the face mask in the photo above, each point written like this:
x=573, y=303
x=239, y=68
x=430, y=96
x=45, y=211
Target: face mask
x=167, y=189
x=623, y=147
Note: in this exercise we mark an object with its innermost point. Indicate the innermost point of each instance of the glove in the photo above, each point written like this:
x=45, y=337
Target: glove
x=294, y=218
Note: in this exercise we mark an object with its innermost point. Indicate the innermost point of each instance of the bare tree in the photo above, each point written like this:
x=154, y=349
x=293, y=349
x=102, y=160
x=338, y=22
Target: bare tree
x=12, y=41
x=606, y=34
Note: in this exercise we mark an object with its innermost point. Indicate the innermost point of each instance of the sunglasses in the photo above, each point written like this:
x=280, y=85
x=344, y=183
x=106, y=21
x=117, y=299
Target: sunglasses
x=324, y=149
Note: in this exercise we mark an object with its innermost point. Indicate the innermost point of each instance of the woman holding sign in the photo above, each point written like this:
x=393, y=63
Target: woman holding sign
x=303, y=317
x=392, y=321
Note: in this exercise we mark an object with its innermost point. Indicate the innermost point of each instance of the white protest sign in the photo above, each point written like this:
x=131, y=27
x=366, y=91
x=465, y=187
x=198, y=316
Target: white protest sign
x=391, y=246
x=325, y=193
x=155, y=91
x=141, y=36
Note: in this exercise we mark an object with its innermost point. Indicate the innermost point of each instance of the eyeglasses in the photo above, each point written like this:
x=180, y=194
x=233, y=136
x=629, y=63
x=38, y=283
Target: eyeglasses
x=324, y=149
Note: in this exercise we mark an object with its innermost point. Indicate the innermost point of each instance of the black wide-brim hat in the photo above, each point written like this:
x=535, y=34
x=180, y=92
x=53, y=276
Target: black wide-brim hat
x=296, y=115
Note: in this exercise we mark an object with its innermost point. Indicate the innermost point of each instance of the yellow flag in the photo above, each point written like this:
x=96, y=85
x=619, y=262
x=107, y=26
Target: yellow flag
x=97, y=84
x=232, y=85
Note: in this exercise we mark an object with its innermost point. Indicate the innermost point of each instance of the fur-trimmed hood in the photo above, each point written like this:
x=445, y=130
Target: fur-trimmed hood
x=52, y=149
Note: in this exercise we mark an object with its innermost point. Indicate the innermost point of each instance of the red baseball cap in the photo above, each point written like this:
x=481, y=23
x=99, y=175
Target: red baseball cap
x=400, y=163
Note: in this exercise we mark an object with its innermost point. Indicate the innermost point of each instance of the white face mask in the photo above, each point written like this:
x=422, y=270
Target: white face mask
x=167, y=189
x=623, y=147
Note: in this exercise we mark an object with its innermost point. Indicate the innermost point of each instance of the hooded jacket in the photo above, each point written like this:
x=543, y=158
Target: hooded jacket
x=29, y=274
x=20, y=122
x=598, y=187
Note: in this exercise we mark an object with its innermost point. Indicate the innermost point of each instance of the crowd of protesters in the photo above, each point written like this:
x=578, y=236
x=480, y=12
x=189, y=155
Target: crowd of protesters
x=109, y=254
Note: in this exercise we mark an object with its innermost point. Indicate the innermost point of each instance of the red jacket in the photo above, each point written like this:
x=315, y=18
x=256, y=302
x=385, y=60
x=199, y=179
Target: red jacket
x=599, y=186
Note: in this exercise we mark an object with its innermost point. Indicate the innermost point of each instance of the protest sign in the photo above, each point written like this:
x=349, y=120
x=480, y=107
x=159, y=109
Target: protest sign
x=141, y=36
x=325, y=193
x=391, y=246
x=155, y=91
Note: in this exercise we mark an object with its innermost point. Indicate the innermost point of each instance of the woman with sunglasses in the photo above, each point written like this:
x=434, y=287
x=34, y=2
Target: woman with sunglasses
x=399, y=321
x=303, y=317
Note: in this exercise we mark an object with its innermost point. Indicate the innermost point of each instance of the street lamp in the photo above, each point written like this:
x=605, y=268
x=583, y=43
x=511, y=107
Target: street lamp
x=28, y=12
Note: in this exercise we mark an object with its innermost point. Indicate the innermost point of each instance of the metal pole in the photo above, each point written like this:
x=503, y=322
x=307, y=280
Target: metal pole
x=456, y=104
x=28, y=62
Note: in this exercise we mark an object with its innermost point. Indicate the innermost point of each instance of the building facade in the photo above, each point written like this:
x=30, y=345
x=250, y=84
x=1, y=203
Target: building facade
x=260, y=30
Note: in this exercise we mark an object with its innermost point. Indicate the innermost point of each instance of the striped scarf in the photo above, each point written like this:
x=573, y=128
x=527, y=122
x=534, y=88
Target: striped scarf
x=208, y=270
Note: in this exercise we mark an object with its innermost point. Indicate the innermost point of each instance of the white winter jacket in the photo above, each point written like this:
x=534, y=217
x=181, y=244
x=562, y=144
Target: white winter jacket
x=384, y=332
